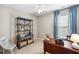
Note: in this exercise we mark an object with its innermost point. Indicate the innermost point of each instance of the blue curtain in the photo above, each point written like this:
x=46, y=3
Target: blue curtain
x=56, y=13
x=73, y=19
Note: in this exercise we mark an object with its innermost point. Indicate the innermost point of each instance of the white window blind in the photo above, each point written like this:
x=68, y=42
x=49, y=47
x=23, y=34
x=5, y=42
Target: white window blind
x=63, y=28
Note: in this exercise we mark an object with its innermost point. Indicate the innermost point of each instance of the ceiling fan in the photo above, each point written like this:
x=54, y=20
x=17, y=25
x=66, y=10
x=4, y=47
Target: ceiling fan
x=41, y=8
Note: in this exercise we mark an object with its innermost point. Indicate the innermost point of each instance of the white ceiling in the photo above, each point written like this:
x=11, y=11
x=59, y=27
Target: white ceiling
x=33, y=8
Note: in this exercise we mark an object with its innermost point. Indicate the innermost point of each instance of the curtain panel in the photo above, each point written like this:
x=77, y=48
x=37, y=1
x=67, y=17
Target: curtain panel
x=73, y=19
x=56, y=13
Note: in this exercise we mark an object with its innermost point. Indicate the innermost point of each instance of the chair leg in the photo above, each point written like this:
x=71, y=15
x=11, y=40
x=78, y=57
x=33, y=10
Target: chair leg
x=11, y=51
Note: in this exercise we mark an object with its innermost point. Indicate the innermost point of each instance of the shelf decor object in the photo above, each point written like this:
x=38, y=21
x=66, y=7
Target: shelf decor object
x=24, y=32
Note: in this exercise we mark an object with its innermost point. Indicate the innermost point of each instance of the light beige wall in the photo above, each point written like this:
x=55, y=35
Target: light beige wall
x=7, y=22
x=4, y=21
x=45, y=25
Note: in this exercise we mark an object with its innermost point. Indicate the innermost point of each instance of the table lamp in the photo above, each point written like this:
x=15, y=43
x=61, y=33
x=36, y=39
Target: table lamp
x=75, y=40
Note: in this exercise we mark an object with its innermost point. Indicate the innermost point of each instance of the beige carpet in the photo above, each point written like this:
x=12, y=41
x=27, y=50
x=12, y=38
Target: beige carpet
x=34, y=48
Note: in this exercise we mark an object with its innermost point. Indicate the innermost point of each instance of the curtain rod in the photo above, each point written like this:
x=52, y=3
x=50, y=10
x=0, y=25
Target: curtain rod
x=67, y=7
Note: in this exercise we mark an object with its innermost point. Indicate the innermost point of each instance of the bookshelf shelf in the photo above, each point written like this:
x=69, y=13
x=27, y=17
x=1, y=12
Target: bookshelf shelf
x=24, y=31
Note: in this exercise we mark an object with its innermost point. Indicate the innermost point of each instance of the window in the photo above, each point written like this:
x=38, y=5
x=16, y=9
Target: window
x=62, y=26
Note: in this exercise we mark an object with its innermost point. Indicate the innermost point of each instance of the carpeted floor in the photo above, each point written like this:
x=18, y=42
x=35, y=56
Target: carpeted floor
x=34, y=48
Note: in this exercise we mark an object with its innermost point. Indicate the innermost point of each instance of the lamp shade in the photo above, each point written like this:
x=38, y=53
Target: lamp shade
x=75, y=38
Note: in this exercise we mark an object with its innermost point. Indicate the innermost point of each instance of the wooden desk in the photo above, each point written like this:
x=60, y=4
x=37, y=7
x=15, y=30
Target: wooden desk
x=53, y=48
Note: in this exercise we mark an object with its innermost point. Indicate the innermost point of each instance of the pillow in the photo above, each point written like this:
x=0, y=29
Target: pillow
x=74, y=38
x=75, y=45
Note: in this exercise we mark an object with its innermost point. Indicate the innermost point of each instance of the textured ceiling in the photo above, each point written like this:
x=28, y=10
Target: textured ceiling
x=33, y=8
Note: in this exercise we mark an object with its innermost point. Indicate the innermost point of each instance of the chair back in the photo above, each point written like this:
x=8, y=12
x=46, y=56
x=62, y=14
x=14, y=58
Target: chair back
x=3, y=41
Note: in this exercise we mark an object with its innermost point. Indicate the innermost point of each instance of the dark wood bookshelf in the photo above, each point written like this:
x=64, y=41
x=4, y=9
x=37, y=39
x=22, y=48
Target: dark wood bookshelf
x=24, y=32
